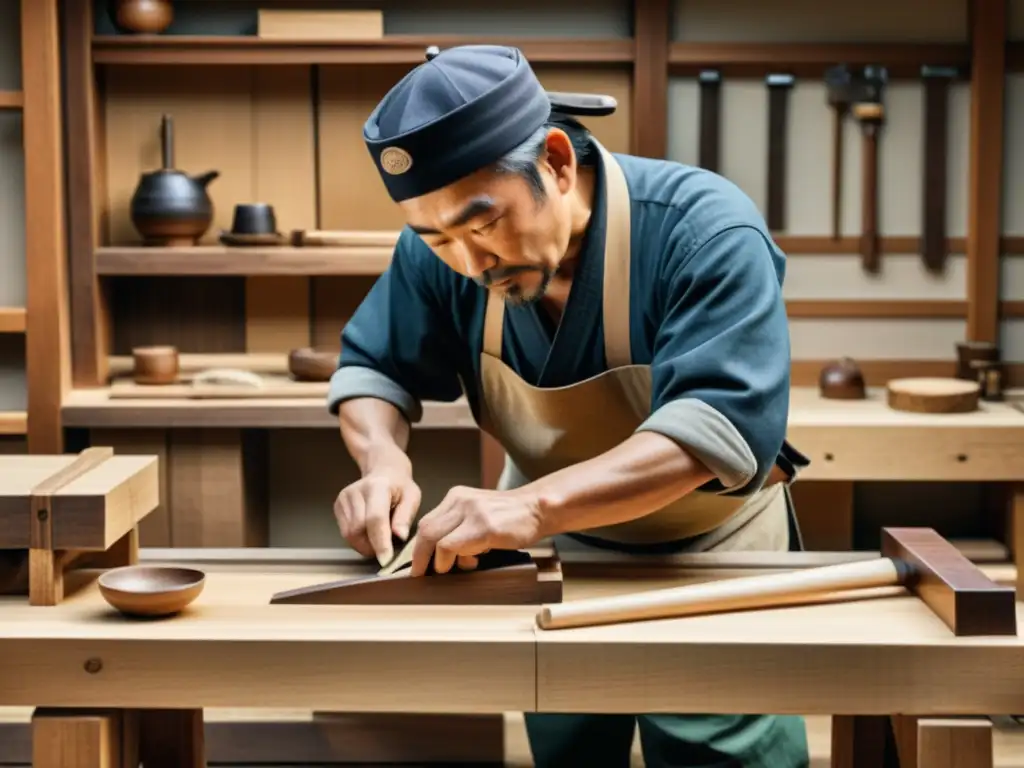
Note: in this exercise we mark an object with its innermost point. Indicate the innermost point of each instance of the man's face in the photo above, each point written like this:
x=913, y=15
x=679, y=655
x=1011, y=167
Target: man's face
x=496, y=229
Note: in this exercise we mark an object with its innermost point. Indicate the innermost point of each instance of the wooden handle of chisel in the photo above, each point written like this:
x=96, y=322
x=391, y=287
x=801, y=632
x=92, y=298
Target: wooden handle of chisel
x=871, y=116
x=301, y=237
x=839, y=115
x=765, y=591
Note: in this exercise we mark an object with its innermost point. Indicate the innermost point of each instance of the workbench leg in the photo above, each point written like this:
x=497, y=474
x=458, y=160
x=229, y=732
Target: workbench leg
x=863, y=741
x=172, y=738
x=63, y=738
x=1015, y=531
x=954, y=743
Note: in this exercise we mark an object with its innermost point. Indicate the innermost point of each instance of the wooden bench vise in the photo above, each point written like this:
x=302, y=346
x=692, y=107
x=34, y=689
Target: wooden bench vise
x=62, y=510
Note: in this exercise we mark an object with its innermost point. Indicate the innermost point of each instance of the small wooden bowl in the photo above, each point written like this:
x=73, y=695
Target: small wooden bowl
x=155, y=365
x=151, y=590
x=311, y=364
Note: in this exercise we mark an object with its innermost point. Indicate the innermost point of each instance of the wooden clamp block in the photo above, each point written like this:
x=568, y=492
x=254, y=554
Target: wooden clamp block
x=956, y=590
x=916, y=558
x=501, y=578
x=63, y=509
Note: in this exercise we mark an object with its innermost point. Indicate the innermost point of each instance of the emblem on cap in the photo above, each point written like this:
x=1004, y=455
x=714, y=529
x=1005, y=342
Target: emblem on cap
x=395, y=160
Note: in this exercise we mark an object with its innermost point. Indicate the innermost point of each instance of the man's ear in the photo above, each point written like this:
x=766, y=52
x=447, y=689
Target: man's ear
x=560, y=157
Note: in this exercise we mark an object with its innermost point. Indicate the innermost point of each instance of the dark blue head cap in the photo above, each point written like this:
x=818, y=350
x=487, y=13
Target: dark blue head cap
x=458, y=112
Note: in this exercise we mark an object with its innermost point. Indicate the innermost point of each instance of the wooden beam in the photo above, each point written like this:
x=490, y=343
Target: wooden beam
x=988, y=52
x=651, y=38
x=90, y=336
x=47, y=350
x=12, y=320
x=11, y=99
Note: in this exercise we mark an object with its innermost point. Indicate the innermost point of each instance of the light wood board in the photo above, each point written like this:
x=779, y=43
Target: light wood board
x=876, y=656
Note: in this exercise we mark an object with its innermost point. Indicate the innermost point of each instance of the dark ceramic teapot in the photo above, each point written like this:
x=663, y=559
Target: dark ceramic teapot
x=170, y=207
x=842, y=380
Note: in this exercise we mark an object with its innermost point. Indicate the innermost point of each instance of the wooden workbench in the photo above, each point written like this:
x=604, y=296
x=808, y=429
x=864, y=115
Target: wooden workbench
x=232, y=649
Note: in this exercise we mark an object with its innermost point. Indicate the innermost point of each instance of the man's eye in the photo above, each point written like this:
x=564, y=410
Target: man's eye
x=489, y=225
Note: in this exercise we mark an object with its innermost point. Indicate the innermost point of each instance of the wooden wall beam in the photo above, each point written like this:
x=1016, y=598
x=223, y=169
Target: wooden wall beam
x=47, y=349
x=652, y=31
x=984, y=219
x=85, y=180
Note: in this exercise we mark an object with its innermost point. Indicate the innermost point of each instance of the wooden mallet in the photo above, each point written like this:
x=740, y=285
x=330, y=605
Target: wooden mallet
x=915, y=558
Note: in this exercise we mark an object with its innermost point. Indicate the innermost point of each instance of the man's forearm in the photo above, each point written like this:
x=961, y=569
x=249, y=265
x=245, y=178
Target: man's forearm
x=375, y=433
x=641, y=475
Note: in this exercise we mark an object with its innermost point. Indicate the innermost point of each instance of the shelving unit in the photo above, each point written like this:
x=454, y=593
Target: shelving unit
x=40, y=322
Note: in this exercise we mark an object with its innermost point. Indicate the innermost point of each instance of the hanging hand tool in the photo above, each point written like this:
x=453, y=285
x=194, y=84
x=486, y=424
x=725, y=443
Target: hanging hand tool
x=869, y=111
x=840, y=86
x=710, y=112
x=779, y=86
x=933, y=228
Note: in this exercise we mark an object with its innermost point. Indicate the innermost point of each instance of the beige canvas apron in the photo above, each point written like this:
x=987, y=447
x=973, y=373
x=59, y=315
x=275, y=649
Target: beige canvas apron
x=545, y=430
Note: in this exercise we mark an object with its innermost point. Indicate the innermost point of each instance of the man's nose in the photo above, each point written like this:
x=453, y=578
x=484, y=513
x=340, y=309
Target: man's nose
x=476, y=260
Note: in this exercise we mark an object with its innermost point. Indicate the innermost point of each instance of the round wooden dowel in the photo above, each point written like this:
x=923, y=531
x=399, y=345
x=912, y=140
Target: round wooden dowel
x=933, y=395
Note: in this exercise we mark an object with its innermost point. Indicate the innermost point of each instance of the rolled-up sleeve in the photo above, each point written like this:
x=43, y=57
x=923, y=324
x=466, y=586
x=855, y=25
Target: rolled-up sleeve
x=721, y=362
x=400, y=345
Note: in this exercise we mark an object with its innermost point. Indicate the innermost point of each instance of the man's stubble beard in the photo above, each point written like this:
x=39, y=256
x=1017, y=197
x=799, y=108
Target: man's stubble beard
x=517, y=297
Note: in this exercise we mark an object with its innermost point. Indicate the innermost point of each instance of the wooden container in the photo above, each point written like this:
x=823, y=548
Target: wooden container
x=969, y=352
x=842, y=380
x=56, y=511
x=155, y=365
x=933, y=395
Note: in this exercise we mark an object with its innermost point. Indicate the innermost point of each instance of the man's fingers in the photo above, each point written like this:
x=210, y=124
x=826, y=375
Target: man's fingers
x=468, y=562
x=461, y=542
x=405, y=511
x=378, y=522
x=349, y=511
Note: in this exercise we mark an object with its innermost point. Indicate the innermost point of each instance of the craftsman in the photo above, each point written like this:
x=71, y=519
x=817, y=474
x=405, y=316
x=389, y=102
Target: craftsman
x=616, y=323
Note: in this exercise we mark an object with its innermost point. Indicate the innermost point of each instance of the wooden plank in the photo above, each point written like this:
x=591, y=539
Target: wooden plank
x=871, y=308
x=78, y=739
x=12, y=320
x=215, y=498
x=90, y=512
x=652, y=25
x=284, y=174
x=12, y=99
x=392, y=49
x=86, y=179
x=92, y=408
x=811, y=59
x=954, y=743
x=155, y=528
x=13, y=423
x=47, y=349
x=988, y=51
x=218, y=260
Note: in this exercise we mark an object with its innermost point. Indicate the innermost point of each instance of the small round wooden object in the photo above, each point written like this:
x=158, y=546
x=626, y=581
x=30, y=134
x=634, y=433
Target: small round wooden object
x=145, y=16
x=155, y=365
x=842, y=380
x=933, y=395
x=312, y=365
x=151, y=590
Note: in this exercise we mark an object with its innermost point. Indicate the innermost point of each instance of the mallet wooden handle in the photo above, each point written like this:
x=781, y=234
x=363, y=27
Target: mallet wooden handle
x=763, y=591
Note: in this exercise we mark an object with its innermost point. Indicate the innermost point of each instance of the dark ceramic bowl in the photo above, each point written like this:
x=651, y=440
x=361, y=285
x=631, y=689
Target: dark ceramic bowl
x=254, y=219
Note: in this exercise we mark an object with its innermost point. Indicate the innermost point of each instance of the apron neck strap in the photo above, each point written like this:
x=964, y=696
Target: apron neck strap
x=616, y=274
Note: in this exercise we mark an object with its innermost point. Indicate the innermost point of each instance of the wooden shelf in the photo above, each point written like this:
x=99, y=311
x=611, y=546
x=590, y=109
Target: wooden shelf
x=811, y=59
x=12, y=320
x=12, y=99
x=93, y=408
x=392, y=49
x=222, y=260
x=13, y=422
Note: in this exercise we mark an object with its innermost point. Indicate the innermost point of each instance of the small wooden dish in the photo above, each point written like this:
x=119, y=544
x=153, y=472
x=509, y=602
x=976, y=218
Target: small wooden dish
x=312, y=365
x=151, y=590
x=155, y=365
x=933, y=395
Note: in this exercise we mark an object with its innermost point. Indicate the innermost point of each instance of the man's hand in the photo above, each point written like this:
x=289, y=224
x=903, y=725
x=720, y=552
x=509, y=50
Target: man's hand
x=471, y=521
x=364, y=512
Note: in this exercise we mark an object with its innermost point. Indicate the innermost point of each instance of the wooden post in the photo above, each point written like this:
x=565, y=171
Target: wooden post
x=988, y=44
x=47, y=350
x=652, y=25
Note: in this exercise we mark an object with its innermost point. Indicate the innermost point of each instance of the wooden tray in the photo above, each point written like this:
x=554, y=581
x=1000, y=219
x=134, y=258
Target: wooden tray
x=274, y=386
